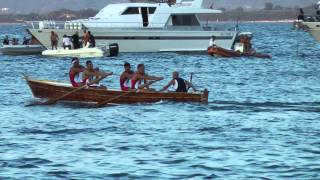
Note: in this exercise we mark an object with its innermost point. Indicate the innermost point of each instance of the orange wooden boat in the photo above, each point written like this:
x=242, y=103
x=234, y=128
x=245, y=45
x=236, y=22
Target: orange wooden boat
x=221, y=52
x=51, y=89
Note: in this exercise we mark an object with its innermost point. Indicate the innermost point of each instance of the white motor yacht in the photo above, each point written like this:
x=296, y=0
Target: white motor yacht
x=311, y=23
x=144, y=27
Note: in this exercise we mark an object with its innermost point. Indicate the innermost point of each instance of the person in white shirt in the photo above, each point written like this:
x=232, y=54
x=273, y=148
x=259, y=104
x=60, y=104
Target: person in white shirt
x=212, y=41
x=66, y=42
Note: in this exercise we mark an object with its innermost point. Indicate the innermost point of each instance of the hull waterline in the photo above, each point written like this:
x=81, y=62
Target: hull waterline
x=147, y=40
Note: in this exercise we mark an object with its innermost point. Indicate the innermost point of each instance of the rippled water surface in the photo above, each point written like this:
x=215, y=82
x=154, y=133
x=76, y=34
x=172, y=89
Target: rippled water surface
x=262, y=120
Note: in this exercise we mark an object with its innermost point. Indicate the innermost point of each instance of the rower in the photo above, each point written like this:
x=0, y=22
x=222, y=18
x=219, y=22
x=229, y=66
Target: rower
x=179, y=84
x=126, y=76
x=75, y=73
x=92, y=74
x=139, y=78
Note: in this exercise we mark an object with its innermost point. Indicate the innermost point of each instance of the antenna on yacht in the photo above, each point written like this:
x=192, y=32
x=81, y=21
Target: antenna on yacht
x=237, y=25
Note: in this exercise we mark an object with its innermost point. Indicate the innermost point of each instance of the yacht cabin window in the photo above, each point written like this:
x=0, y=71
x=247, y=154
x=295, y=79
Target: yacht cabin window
x=184, y=20
x=136, y=10
x=152, y=10
x=131, y=10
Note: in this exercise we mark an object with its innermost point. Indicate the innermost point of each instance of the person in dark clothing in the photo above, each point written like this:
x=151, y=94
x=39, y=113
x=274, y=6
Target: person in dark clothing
x=25, y=41
x=179, y=84
x=6, y=41
x=92, y=40
x=75, y=41
x=301, y=14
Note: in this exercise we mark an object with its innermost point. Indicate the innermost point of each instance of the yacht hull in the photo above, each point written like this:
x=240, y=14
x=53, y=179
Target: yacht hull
x=315, y=33
x=147, y=40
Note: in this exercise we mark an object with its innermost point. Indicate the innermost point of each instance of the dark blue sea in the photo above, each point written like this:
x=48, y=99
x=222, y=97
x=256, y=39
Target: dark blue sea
x=262, y=120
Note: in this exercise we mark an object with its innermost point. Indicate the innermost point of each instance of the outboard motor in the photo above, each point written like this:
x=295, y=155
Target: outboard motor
x=113, y=49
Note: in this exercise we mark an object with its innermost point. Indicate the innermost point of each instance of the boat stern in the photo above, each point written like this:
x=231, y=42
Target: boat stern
x=205, y=96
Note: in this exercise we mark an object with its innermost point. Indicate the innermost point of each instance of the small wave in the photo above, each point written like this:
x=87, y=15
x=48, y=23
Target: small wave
x=195, y=176
x=24, y=163
x=312, y=151
x=35, y=160
x=211, y=129
x=27, y=166
x=59, y=174
x=255, y=130
x=266, y=104
x=208, y=168
x=118, y=175
x=176, y=161
x=53, y=132
x=92, y=149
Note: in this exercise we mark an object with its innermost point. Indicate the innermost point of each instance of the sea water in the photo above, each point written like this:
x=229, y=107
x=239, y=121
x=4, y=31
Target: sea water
x=262, y=119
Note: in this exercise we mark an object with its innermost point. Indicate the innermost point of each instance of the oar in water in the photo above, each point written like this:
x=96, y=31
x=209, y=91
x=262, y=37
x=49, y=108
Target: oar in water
x=103, y=103
x=54, y=100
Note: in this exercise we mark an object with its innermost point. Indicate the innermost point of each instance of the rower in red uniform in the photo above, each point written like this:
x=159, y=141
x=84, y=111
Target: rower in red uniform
x=139, y=78
x=75, y=73
x=125, y=78
x=92, y=74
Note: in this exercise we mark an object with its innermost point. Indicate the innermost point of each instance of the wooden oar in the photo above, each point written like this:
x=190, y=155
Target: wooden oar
x=191, y=75
x=103, y=103
x=54, y=100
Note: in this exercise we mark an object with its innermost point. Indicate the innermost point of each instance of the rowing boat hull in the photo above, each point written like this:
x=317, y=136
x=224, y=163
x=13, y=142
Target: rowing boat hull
x=49, y=89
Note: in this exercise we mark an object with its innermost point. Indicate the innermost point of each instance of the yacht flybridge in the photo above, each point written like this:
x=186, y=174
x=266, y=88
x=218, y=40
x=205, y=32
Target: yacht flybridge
x=144, y=27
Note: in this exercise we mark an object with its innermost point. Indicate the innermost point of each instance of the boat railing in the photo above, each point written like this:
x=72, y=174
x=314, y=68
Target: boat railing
x=311, y=18
x=47, y=24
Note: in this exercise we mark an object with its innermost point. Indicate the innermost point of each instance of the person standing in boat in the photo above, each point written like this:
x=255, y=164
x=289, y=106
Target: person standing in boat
x=212, y=41
x=92, y=40
x=25, y=41
x=6, y=41
x=179, y=84
x=15, y=41
x=66, y=42
x=75, y=41
x=301, y=14
x=140, y=77
x=75, y=73
x=86, y=38
x=54, y=40
x=91, y=74
x=125, y=78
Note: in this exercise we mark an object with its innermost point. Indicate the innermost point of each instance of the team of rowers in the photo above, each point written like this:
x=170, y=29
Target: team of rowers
x=129, y=80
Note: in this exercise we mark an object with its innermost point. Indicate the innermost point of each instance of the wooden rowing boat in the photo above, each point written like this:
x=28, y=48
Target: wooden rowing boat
x=51, y=89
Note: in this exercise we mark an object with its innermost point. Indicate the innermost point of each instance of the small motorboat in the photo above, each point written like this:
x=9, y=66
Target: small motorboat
x=221, y=52
x=51, y=89
x=86, y=52
x=21, y=49
x=241, y=48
